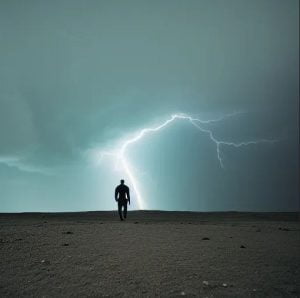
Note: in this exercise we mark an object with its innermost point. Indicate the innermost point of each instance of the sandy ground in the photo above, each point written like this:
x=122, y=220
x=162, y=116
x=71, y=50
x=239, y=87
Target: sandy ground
x=164, y=254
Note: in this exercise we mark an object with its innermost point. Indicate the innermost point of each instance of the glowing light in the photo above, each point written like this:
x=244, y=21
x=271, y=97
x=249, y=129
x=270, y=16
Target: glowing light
x=120, y=154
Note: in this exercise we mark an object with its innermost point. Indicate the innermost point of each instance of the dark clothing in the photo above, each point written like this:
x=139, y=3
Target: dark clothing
x=122, y=192
x=122, y=196
x=122, y=203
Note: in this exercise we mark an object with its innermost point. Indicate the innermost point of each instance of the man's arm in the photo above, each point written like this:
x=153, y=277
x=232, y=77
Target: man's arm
x=116, y=194
x=128, y=195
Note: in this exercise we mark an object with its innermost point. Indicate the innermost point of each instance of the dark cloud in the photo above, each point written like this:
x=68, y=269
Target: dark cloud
x=77, y=76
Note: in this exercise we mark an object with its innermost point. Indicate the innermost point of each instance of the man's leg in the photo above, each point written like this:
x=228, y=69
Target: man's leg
x=125, y=209
x=120, y=209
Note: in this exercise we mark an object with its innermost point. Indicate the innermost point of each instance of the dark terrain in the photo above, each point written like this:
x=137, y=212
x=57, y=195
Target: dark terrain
x=153, y=253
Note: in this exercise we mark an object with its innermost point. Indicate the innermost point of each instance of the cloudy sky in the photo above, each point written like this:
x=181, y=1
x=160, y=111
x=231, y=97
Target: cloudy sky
x=81, y=78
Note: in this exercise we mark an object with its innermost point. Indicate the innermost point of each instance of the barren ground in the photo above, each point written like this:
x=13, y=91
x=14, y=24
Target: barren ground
x=164, y=254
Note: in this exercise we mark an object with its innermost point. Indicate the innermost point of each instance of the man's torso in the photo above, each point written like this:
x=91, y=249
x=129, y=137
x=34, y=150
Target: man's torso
x=122, y=190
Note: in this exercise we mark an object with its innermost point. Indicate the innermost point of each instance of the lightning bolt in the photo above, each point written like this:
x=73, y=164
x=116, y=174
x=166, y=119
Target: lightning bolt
x=120, y=154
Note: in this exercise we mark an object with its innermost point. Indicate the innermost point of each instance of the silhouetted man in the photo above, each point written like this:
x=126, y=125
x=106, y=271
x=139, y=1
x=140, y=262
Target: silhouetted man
x=122, y=196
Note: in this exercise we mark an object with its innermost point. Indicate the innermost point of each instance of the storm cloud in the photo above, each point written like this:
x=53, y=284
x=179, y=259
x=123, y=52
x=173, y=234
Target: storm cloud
x=78, y=77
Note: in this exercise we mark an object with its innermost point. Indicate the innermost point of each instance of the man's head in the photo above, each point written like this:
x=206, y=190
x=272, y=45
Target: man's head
x=122, y=181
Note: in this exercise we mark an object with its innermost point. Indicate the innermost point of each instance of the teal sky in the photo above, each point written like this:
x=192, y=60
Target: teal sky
x=80, y=77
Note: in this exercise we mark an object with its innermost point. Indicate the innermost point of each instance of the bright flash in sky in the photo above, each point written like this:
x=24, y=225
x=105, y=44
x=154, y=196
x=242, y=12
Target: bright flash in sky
x=120, y=154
